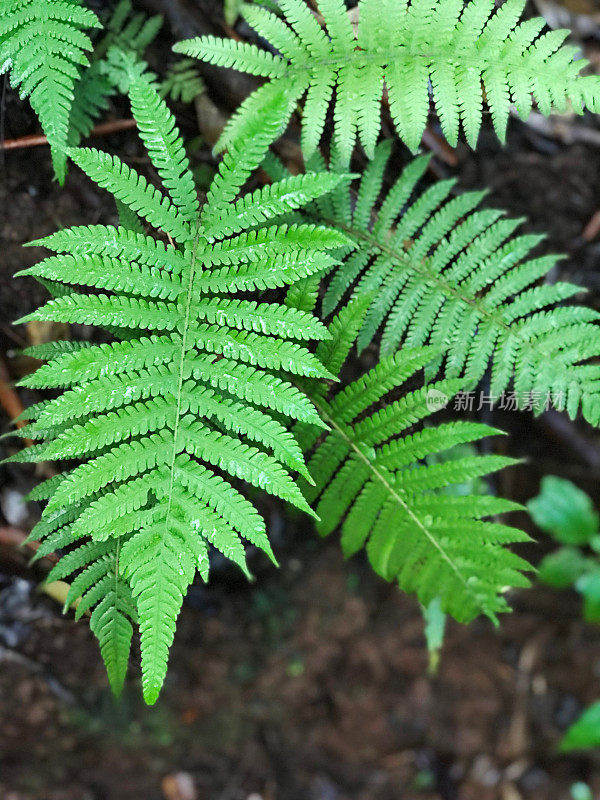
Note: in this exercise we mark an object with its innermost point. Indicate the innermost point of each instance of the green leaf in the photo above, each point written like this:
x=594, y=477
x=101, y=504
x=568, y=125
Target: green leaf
x=175, y=420
x=564, y=511
x=465, y=51
x=43, y=46
x=589, y=586
x=584, y=734
x=564, y=567
x=441, y=272
x=421, y=523
x=435, y=628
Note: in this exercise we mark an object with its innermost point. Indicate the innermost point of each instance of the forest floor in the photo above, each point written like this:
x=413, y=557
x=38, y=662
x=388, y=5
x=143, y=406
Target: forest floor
x=311, y=683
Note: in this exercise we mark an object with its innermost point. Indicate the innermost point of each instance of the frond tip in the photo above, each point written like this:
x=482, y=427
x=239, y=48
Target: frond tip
x=464, y=51
x=190, y=401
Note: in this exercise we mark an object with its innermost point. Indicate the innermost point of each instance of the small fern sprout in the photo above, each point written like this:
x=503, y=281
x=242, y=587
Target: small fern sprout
x=449, y=51
x=128, y=30
x=375, y=477
x=189, y=400
x=182, y=81
x=125, y=31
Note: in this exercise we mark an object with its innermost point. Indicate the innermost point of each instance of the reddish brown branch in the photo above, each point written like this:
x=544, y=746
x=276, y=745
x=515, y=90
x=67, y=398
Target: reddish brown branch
x=440, y=147
x=37, y=140
x=592, y=229
x=15, y=538
x=9, y=399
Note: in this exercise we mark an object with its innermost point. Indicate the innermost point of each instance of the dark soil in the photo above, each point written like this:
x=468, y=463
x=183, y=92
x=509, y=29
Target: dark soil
x=310, y=684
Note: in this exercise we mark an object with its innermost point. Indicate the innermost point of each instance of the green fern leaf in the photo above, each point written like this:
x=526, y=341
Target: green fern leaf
x=440, y=271
x=374, y=477
x=167, y=418
x=182, y=82
x=100, y=588
x=133, y=190
x=465, y=51
x=43, y=45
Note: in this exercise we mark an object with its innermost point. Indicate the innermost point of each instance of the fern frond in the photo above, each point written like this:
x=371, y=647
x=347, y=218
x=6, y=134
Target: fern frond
x=128, y=30
x=182, y=82
x=374, y=477
x=168, y=419
x=465, y=51
x=442, y=272
x=43, y=46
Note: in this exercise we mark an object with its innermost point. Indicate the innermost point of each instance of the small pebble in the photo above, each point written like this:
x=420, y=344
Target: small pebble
x=178, y=786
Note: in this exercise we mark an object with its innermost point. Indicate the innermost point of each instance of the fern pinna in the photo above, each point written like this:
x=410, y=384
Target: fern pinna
x=371, y=476
x=189, y=398
x=465, y=51
x=441, y=271
x=43, y=46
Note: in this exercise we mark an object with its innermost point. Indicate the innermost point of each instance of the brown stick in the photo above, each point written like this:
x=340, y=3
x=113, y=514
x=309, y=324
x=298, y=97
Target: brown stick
x=9, y=399
x=592, y=229
x=39, y=139
x=561, y=428
x=439, y=147
x=15, y=538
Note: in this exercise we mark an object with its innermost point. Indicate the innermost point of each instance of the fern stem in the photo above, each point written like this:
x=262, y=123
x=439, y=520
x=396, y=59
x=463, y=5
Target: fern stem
x=188, y=304
x=117, y=554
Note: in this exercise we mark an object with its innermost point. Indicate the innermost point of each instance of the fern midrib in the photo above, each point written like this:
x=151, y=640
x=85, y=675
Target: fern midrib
x=479, y=59
x=421, y=267
x=394, y=494
x=184, y=335
x=117, y=556
x=156, y=606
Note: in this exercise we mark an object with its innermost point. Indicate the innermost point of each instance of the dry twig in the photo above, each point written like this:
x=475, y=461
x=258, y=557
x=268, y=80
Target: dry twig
x=38, y=140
